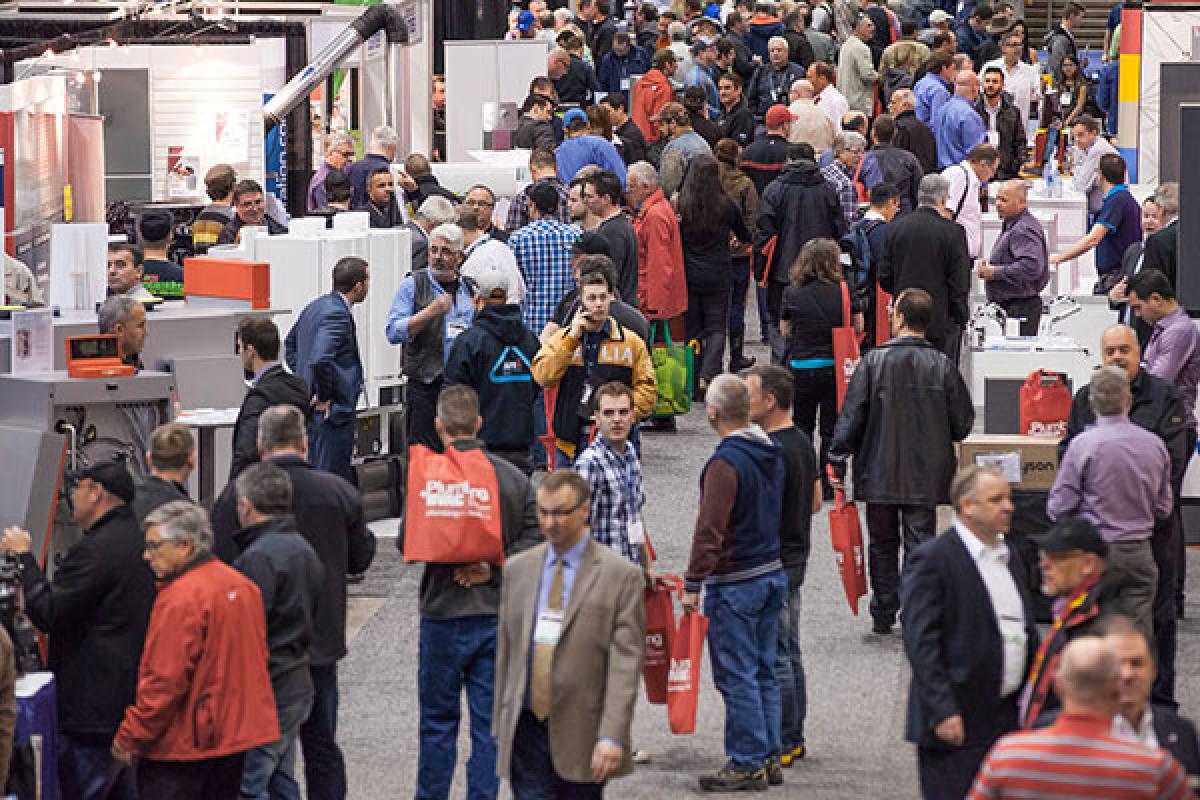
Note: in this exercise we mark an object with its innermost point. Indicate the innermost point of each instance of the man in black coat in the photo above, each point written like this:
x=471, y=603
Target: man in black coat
x=905, y=408
x=911, y=134
x=896, y=166
x=270, y=385
x=381, y=204
x=535, y=130
x=1003, y=120
x=1162, y=247
x=795, y=208
x=288, y=574
x=969, y=634
x=925, y=250
x=329, y=515
x=800, y=50
x=95, y=611
x=171, y=459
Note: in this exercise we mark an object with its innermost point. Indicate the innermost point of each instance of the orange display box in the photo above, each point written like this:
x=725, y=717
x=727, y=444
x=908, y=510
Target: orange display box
x=228, y=278
x=96, y=356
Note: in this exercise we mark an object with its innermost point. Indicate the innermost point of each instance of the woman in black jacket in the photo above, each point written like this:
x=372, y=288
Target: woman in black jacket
x=708, y=218
x=812, y=307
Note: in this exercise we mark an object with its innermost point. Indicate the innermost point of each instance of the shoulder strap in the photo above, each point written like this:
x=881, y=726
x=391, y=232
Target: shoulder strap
x=846, y=323
x=966, y=190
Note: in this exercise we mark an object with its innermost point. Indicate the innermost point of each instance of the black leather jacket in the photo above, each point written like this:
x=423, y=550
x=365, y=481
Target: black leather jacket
x=905, y=408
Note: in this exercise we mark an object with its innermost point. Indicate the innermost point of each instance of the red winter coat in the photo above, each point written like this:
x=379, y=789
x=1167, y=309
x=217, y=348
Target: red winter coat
x=203, y=689
x=662, y=284
x=652, y=91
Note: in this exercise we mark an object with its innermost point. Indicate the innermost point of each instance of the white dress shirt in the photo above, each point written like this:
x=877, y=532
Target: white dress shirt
x=1143, y=734
x=963, y=179
x=1087, y=172
x=834, y=104
x=992, y=563
x=1023, y=82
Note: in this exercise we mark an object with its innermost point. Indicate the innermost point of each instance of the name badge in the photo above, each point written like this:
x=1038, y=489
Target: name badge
x=625, y=84
x=1065, y=98
x=993, y=138
x=548, y=628
x=637, y=532
x=453, y=329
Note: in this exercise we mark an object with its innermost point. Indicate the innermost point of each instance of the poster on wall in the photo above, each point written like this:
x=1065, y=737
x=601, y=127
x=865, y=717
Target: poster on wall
x=32, y=341
x=182, y=172
x=231, y=132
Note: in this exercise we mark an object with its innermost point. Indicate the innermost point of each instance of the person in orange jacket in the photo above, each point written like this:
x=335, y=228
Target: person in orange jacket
x=662, y=286
x=204, y=695
x=653, y=91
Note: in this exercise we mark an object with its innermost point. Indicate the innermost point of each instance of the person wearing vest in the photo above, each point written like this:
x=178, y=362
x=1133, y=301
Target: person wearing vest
x=430, y=309
x=583, y=356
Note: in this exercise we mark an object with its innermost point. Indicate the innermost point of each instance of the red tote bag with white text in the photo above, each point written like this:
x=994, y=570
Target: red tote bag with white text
x=452, y=508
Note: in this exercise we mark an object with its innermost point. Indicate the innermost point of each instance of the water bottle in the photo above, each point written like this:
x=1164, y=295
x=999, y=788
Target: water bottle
x=1049, y=176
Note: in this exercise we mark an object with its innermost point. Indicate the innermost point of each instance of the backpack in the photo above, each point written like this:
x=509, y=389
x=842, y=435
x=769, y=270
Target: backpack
x=856, y=249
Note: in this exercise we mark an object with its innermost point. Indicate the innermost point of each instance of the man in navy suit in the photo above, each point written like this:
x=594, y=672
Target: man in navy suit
x=322, y=348
x=969, y=633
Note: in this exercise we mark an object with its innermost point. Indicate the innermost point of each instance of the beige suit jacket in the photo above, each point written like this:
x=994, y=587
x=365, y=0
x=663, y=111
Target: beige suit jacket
x=597, y=663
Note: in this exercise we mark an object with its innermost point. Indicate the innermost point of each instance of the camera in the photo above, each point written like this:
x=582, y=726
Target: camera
x=12, y=617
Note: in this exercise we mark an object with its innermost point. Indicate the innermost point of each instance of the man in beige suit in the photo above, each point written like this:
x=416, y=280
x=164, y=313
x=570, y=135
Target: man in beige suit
x=569, y=654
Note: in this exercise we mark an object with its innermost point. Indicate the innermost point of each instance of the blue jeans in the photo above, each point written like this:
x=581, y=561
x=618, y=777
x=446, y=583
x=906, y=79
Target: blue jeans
x=84, y=764
x=324, y=766
x=742, y=636
x=330, y=447
x=539, y=430
x=452, y=654
x=789, y=669
x=270, y=769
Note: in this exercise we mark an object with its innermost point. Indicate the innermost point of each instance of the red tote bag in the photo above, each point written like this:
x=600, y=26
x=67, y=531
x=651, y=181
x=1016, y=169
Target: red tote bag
x=883, y=319
x=848, y=547
x=660, y=635
x=452, y=512
x=846, y=354
x=1045, y=400
x=683, y=688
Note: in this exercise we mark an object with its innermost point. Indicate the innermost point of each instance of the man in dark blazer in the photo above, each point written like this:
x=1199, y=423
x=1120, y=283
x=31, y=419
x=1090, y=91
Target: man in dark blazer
x=1162, y=248
x=1132, y=262
x=322, y=348
x=271, y=385
x=928, y=251
x=969, y=634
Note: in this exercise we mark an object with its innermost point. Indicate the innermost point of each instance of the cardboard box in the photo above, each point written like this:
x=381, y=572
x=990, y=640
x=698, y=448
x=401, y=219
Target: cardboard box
x=1029, y=462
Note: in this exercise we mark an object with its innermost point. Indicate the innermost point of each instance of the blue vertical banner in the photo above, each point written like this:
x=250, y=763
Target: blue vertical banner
x=275, y=159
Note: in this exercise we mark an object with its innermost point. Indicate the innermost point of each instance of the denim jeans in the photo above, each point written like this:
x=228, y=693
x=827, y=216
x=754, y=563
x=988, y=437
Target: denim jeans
x=539, y=430
x=789, y=669
x=330, y=446
x=454, y=654
x=743, y=624
x=270, y=770
x=84, y=763
x=324, y=766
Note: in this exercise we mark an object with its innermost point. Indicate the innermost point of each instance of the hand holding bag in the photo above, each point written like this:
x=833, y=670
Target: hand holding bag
x=846, y=533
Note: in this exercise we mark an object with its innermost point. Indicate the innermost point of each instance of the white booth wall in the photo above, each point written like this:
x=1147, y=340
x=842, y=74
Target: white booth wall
x=480, y=72
x=1167, y=35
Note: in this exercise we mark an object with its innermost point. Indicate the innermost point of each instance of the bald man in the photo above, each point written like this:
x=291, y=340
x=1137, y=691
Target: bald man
x=1019, y=267
x=809, y=123
x=956, y=124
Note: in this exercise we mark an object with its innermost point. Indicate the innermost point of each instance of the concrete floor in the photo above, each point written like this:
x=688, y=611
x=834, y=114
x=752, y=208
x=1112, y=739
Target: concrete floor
x=857, y=681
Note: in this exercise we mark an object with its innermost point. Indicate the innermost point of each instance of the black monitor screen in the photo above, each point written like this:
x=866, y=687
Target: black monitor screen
x=99, y=347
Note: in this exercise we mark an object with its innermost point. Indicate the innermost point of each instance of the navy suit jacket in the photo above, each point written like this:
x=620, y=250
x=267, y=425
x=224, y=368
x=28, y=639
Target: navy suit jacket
x=953, y=643
x=322, y=348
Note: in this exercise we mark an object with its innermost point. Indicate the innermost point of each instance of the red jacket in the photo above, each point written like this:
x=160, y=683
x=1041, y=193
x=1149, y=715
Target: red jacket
x=652, y=91
x=203, y=688
x=662, y=285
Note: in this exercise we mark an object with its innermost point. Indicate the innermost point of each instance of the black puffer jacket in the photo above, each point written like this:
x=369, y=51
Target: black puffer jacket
x=797, y=206
x=95, y=612
x=481, y=359
x=276, y=387
x=905, y=408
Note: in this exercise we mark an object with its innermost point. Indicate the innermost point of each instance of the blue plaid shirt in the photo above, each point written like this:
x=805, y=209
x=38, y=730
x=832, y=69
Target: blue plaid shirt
x=618, y=495
x=835, y=175
x=518, y=210
x=543, y=252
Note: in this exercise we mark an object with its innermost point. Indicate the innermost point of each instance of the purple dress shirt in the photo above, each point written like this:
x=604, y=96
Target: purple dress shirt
x=1173, y=355
x=1116, y=475
x=1021, y=260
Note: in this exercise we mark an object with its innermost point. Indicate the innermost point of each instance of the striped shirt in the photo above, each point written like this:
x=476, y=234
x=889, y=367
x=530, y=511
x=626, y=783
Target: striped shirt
x=543, y=253
x=1078, y=757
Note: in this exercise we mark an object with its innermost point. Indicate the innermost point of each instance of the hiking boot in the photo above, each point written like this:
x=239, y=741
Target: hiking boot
x=731, y=779
x=792, y=756
x=774, y=769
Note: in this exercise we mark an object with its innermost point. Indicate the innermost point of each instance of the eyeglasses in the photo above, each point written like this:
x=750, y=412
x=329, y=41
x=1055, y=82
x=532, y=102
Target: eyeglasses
x=478, y=203
x=558, y=513
x=347, y=154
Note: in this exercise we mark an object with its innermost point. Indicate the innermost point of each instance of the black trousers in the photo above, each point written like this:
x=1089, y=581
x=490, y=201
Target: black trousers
x=887, y=526
x=532, y=774
x=707, y=320
x=208, y=779
x=774, y=306
x=1027, y=309
x=947, y=773
x=421, y=413
x=1170, y=555
x=949, y=342
x=815, y=393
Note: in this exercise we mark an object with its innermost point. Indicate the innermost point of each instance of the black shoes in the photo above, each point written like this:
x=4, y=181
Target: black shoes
x=729, y=779
x=882, y=627
x=774, y=768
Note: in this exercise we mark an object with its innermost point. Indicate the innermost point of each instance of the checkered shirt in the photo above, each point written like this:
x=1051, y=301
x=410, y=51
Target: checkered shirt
x=543, y=252
x=618, y=495
x=518, y=210
x=835, y=175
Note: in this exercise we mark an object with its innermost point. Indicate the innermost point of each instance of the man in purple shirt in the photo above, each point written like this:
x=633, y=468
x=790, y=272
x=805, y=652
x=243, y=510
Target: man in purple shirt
x=1018, y=269
x=1117, y=475
x=1172, y=353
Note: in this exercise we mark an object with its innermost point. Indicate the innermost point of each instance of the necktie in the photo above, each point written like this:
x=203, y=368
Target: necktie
x=543, y=652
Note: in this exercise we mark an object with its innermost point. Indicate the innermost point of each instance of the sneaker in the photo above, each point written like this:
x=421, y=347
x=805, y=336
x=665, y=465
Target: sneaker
x=641, y=757
x=729, y=779
x=774, y=769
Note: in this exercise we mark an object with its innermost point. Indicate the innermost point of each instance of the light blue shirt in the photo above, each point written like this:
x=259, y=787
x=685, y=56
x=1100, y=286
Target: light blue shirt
x=571, y=560
x=457, y=320
x=931, y=93
x=577, y=152
x=957, y=127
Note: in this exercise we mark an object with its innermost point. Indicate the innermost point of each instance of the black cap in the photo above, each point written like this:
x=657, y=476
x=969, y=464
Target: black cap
x=156, y=224
x=1072, y=533
x=112, y=475
x=590, y=244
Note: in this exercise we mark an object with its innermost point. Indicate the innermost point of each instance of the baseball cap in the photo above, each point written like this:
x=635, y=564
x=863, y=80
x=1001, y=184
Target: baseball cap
x=156, y=224
x=491, y=284
x=777, y=115
x=590, y=244
x=574, y=115
x=671, y=112
x=525, y=20
x=1072, y=533
x=112, y=475
x=938, y=17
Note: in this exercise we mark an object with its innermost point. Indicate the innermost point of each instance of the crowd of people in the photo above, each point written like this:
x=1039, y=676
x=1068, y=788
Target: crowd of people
x=830, y=164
